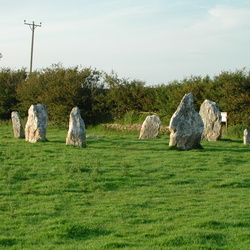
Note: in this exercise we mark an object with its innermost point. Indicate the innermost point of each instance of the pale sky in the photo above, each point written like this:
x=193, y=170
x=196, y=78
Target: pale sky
x=156, y=41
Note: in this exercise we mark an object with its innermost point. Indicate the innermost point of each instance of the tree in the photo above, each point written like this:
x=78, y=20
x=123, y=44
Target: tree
x=9, y=80
x=234, y=89
x=62, y=89
x=125, y=95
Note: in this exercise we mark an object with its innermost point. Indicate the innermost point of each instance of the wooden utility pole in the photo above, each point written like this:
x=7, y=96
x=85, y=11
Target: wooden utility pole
x=32, y=27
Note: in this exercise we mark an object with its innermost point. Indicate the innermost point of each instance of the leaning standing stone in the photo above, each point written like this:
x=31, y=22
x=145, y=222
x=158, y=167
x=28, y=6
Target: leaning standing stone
x=150, y=127
x=186, y=125
x=35, y=129
x=246, y=137
x=211, y=117
x=77, y=133
x=17, y=125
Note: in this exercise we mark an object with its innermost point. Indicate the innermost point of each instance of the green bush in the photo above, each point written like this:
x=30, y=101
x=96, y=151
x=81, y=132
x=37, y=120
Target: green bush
x=131, y=117
x=103, y=97
x=61, y=89
x=9, y=79
x=237, y=130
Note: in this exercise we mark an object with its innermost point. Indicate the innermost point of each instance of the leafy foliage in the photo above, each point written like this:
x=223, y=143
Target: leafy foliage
x=104, y=97
x=8, y=82
x=237, y=131
x=62, y=89
x=234, y=95
x=124, y=95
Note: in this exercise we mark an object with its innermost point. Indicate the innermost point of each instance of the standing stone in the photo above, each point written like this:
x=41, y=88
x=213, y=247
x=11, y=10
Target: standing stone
x=17, y=125
x=77, y=133
x=246, y=137
x=150, y=127
x=211, y=117
x=186, y=125
x=35, y=129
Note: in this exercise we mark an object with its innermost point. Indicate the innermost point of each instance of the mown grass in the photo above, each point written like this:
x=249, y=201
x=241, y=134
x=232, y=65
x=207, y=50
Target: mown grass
x=122, y=192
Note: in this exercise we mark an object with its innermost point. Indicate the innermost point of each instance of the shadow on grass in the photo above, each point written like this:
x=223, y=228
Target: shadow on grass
x=230, y=140
x=201, y=239
x=226, y=149
x=116, y=245
x=59, y=141
x=135, y=144
x=234, y=184
x=156, y=145
x=80, y=232
x=175, y=148
x=8, y=242
x=212, y=224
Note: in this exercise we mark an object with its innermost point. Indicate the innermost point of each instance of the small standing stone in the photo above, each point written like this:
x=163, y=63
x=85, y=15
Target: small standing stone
x=150, y=127
x=77, y=133
x=35, y=129
x=246, y=137
x=17, y=125
x=211, y=117
x=186, y=125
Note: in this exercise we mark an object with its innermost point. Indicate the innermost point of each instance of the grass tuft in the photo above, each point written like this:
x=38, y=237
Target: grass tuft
x=8, y=242
x=80, y=232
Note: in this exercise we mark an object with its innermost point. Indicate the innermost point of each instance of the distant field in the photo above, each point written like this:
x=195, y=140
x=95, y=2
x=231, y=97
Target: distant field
x=122, y=192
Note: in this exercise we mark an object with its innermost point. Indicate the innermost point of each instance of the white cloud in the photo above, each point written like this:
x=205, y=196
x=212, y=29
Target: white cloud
x=224, y=19
x=220, y=29
x=228, y=17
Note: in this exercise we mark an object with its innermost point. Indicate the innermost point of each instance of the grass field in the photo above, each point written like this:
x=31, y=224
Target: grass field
x=122, y=192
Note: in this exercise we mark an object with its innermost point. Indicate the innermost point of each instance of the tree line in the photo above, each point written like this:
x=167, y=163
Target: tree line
x=103, y=97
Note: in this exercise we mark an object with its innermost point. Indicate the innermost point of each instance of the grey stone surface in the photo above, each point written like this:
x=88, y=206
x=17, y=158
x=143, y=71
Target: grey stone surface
x=17, y=125
x=211, y=117
x=36, y=126
x=246, y=137
x=150, y=127
x=186, y=125
x=77, y=133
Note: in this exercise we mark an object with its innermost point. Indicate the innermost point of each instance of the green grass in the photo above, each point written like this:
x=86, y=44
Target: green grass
x=122, y=192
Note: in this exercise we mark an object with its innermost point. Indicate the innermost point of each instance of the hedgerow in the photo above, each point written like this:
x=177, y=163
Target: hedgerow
x=103, y=97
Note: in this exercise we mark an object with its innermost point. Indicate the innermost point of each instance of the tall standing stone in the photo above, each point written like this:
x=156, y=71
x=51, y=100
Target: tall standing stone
x=246, y=137
x=150, y=127
x=186, y=125
x=77, y=133
x=211, y=117
x=35, y=129
x=17, y=125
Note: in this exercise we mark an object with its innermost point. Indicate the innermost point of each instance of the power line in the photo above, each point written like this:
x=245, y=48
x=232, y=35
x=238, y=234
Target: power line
x=32, y=27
